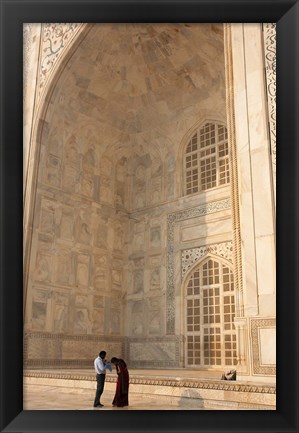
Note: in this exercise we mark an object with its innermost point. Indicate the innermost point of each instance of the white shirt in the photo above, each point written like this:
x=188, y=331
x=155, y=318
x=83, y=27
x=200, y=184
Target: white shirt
x=99, y=366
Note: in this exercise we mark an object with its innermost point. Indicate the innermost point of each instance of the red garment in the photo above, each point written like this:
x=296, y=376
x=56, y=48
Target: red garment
x=121, y=397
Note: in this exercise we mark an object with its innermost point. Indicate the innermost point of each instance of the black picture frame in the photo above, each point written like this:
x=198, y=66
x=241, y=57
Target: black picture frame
x=13, y=15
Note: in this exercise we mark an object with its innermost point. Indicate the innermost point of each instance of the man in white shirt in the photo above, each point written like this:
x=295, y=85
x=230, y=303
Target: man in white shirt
x=100, y=369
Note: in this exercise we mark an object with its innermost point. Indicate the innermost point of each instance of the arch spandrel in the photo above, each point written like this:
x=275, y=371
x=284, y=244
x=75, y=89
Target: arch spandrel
x=201, y=261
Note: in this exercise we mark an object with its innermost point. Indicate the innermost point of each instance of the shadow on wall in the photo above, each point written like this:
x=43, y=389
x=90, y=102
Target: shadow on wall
x=191, y=398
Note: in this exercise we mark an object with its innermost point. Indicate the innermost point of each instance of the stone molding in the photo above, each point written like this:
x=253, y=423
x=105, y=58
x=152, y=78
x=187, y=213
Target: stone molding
x=231, y=128
x=64, y=337
x=255, y=325
x=42, y=349
x=58, y=363
x=172, y=219
x=270, y=66
x=269, y=32
x=27, y=38
x=217, y=385
x=192, y=255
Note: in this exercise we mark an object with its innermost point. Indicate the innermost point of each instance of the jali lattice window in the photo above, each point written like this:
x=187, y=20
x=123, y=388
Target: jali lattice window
x=206, y=159
x=210, y=312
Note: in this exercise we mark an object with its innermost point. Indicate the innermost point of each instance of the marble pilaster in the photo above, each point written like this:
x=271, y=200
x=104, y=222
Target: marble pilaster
x=255, y=181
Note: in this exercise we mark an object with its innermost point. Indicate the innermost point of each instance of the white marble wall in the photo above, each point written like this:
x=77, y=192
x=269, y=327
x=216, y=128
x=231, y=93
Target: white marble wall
x=31, y=35
x=109, y=223
x=255, y=182
x=110, y=173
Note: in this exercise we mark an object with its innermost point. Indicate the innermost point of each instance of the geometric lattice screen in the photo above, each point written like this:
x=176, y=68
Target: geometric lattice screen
x=210, y=311
x=206, y=159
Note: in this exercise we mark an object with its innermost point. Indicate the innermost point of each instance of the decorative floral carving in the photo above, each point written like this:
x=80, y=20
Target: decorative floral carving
x=55, y=37
x=189, y=257
x=270, y=65
x=27, y=38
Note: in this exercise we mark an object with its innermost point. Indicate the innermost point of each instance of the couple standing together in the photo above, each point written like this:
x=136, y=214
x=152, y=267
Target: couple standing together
x=122, y=385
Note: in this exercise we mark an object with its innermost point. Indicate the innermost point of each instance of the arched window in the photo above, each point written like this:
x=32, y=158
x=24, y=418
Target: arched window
x=206, y=158
x=210, y=311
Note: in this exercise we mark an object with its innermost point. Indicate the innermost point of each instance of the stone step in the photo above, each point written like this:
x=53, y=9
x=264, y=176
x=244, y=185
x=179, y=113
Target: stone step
x=206, y=391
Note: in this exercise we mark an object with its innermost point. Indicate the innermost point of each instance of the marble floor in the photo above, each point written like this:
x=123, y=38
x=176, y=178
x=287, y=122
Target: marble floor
x=63, y=389
x=46, y=397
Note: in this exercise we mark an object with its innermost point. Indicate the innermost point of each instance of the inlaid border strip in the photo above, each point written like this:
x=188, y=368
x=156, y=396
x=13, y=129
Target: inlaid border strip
x=255, y=325
x=231, y=128
x=211, y=384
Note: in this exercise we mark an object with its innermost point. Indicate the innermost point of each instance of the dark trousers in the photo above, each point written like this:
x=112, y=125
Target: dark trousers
x=100, y=388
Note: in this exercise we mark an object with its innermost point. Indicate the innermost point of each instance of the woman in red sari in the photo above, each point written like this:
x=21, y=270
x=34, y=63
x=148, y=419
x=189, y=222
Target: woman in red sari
x=121, y=397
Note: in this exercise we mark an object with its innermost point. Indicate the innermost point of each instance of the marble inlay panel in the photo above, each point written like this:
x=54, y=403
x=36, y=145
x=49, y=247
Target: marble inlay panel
x=147, y=351
x=190, y=256
x=270, y=64
x=256, y=326
x=55, y=38
x=267, y=339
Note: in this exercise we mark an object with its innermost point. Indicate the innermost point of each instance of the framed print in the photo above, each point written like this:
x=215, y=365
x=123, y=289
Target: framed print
x=147, y=213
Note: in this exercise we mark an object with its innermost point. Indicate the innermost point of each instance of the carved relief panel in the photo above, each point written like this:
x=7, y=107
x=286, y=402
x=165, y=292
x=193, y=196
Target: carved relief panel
x=100, y=272
x=71, y=165
x=87, y=184
x=139, y=194
x=156, y=190
x=138, y=281
x=83, y=228
x=47, y=221
x=170, y=176
x=53, y=171
x=139, y=187
x=138, y=242
x=83, y=263
x=154, y=325
x=39, y=309
x=43, y=267
x=81, y=321
x=98, y=314
x=60, y=311
x=101, y=239
x=106, y=190
x=70, y=178
x=116, y=276
x=98, y=321
x=155, y=237
x=66, y=226
x=155, y=276
x=156, y=182
x=120, y=183
x=64, y=269
x=137, y=318
x=119, y=236
x=155, y=279
x=106, y=166
x=115, y=316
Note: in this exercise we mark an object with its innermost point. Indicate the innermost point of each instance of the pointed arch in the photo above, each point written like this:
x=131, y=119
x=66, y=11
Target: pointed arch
x=201, y=260
x=209, y=311
x=205, y=157
x=39, y=130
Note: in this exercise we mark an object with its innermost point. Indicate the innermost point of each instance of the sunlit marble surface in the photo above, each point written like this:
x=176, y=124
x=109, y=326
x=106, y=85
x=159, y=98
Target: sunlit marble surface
x=41, y=397
x=75, y=390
